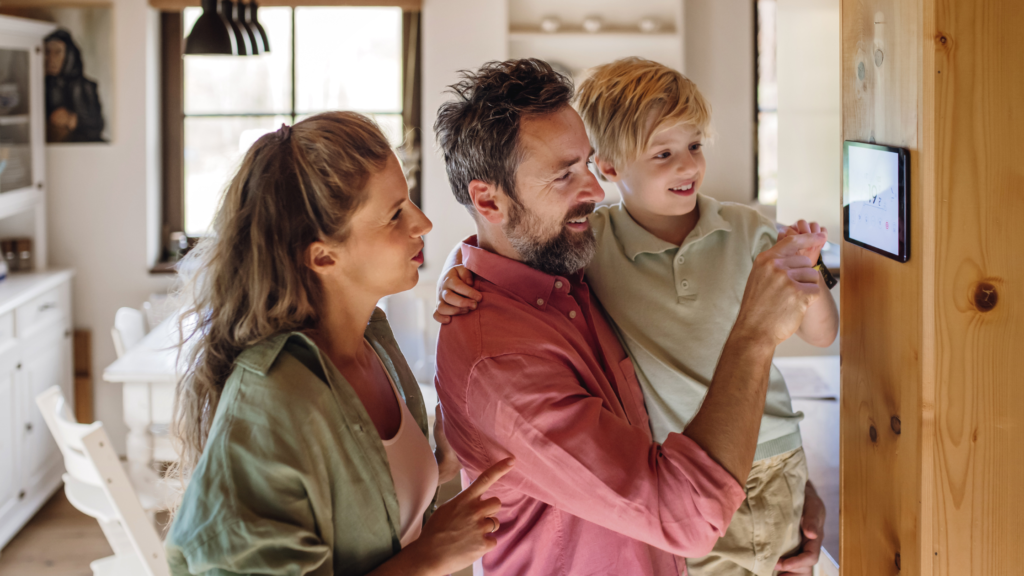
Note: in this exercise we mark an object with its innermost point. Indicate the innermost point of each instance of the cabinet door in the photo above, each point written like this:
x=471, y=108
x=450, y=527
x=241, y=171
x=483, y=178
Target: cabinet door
x=9, y=477
x=47, y=362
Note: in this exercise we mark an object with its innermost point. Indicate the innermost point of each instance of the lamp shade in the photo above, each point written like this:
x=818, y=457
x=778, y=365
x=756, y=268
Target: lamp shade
x=230, y=10
x=254, y=25
x=212, y=33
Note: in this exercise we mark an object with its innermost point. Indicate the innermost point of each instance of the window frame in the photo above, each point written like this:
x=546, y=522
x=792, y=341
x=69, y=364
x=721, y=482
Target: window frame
x=173, y=114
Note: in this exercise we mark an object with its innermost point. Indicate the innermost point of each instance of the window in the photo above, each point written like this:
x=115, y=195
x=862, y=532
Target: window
x=767, y=105
x=321, y=59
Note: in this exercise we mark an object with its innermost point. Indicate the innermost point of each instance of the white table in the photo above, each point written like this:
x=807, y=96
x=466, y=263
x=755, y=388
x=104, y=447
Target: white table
x=148, y=374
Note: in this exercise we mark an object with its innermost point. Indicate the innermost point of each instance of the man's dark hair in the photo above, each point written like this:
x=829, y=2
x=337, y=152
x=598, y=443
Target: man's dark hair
x=479, y=131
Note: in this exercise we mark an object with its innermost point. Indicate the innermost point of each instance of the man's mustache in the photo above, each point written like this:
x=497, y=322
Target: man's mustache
x=580, y=211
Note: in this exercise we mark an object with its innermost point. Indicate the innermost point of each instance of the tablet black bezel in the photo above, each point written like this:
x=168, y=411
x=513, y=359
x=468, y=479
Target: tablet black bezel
x=902, y=199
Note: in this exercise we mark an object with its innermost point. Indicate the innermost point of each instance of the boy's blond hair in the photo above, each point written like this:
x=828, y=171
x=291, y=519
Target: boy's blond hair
x=617, y=100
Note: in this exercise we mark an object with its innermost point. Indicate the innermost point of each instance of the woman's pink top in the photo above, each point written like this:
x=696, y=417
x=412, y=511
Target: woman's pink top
x=413, y=470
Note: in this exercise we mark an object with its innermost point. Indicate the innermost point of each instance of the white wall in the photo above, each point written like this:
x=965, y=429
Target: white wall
x=457, y=35
x=720, y=59
x=104, y=202
x=810, y=137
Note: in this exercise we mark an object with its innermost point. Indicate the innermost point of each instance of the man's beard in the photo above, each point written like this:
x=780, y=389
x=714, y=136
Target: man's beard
x=564, y=254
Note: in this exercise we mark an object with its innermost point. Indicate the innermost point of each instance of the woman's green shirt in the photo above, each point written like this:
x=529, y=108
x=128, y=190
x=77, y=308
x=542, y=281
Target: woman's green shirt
x=294, y=478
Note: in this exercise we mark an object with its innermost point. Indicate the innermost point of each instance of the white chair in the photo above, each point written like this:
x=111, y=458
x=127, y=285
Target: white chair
x=129, y=328
x=97, y=485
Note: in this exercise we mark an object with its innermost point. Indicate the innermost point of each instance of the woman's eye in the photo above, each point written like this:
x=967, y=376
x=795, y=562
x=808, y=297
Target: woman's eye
x=397, y=214
x=566, y=176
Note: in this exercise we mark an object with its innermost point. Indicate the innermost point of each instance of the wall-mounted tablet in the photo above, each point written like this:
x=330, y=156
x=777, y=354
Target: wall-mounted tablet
x=876, y=198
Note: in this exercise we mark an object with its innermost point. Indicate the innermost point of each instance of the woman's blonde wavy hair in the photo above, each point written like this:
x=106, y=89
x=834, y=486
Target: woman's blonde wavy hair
x=249, y=281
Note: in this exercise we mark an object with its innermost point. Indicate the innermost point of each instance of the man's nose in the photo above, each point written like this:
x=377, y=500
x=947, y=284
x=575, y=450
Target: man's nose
x=592, y=191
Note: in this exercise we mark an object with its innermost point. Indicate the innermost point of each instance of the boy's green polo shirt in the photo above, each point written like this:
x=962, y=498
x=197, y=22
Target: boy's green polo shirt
x=674, y=307
x=294, y=478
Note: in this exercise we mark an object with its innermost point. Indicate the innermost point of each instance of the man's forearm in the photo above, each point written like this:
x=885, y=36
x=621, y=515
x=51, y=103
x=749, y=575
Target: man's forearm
x=727, y=424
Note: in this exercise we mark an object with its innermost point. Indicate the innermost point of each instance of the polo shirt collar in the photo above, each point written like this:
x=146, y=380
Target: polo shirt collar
x=520, y=279
x=636, y=240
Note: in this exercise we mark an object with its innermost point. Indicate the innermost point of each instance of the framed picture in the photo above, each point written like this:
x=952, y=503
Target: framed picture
x=79, y=68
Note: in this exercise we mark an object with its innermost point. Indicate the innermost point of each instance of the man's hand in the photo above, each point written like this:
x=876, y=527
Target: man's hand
x=803, y=227
x=812, y=526
x=782, y=284
x=455, y=294
x=447, y=463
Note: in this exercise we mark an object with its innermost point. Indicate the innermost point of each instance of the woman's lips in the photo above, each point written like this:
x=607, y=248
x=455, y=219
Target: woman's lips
x=418, y=258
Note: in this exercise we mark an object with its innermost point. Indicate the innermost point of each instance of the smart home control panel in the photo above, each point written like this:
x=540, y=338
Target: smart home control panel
x=876, y=207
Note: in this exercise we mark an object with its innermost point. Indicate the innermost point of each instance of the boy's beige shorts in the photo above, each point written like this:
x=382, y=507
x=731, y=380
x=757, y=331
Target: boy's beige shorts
x=767, y=525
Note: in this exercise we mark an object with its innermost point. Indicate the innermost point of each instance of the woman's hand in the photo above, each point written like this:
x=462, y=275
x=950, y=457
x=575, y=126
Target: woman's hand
x=460, y=530
x=804, y=227
x=455, y=294
x=447, y=463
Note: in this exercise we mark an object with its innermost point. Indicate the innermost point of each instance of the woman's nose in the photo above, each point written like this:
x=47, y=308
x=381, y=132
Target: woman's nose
x=422, y=225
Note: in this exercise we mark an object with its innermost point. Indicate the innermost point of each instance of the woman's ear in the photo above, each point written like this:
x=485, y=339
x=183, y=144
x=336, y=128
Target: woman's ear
x=606, y=169
x=485, y=198
x=320, y=258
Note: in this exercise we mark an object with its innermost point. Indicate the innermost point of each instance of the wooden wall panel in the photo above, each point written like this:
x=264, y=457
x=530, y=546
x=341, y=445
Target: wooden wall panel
x=881, y=332
x=979, y=286
x=937, y=342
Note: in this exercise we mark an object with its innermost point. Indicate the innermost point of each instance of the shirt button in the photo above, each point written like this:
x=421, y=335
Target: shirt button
x=684, y=284
x=680, y=260
x=572, y=314
x=540, y=301
x=558, y=284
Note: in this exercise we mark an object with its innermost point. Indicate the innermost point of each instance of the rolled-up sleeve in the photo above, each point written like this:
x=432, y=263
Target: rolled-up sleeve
x=575, y=454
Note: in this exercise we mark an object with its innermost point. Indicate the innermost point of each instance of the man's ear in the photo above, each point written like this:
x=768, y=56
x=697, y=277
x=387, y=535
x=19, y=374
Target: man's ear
x=320, y=258
x=606, y=169
x=486, y=202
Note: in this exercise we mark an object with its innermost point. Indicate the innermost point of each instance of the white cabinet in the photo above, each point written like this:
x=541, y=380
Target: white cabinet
x=9, y=482
x=35, y=355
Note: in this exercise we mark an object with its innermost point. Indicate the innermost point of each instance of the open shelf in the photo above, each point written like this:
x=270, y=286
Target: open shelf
x=14, y=120
x=577, y=34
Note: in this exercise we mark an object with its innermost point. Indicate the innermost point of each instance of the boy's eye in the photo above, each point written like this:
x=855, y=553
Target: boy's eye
x=663, y=155
x=696, y=146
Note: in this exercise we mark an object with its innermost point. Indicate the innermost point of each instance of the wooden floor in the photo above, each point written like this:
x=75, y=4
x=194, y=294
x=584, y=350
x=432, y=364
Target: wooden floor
x=58, y=541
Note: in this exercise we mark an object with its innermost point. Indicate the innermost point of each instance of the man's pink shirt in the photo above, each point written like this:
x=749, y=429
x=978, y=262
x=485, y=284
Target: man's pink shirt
x=537, y=373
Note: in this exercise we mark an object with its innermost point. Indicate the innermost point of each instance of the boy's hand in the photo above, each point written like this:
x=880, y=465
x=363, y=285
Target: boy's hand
x=456, y=295
x=803, y=227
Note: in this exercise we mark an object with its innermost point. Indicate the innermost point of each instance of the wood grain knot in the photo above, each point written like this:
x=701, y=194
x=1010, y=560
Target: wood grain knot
x=985, y=297
x=898, y=561
x=897, y=426
x=942, y=39
x=873, y=434
x=860, y=70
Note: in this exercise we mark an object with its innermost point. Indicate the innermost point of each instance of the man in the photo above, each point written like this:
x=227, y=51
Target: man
x=537, y=373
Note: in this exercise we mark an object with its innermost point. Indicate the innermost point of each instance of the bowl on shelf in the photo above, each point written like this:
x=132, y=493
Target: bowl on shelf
x=550, y=24
x=593, y=24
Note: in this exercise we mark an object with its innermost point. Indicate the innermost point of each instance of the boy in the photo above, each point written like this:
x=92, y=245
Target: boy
x=670, y=269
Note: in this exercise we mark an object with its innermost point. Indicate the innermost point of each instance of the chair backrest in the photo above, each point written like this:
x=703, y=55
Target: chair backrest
x=97, y=484
x=129, y=328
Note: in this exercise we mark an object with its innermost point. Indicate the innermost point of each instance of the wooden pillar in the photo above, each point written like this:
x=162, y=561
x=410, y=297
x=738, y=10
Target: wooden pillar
x=932, y=446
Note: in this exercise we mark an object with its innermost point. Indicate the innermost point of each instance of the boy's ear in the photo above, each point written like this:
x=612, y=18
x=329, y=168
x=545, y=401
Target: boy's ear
x=606, y=169
x=486, y=201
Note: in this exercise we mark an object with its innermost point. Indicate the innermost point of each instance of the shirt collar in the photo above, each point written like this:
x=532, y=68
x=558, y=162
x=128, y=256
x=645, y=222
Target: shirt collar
x=520, y=279
x=636, y=240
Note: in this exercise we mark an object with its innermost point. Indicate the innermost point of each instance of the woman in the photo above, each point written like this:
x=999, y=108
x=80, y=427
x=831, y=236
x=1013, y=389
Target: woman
x=302, y=427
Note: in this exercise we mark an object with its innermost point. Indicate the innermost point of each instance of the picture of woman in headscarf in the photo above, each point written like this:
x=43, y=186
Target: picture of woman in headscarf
x=73, y=109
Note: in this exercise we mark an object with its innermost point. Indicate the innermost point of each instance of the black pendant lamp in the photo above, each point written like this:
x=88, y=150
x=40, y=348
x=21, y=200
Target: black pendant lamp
x=212, y=33
x=242, y=42
x=254, y=24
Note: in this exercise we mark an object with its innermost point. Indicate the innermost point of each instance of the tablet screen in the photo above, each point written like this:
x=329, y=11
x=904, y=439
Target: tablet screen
x=874, y=198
